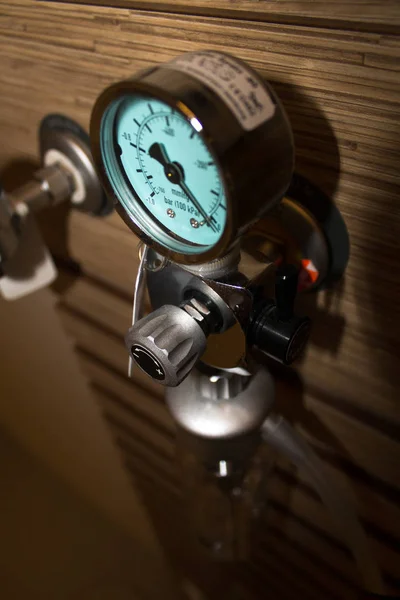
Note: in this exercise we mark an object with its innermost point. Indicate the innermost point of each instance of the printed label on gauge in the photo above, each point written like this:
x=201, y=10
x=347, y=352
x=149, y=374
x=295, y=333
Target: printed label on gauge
x=240, y=88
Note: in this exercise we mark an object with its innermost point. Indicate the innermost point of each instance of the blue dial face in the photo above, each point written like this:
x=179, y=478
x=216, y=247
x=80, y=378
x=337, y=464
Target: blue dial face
x=163, y=174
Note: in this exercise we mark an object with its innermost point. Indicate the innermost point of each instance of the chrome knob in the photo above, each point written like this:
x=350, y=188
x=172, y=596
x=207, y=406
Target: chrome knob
x=169, y=341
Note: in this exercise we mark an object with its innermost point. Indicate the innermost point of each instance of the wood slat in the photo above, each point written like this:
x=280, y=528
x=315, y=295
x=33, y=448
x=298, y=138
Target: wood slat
x=357, y=14
x=286, y=552
x=310, y=511
x=112, y=29
x=294, y=581
x=374, y=508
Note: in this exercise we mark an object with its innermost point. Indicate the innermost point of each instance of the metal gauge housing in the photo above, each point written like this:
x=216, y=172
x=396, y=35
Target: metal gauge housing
x=192, y=152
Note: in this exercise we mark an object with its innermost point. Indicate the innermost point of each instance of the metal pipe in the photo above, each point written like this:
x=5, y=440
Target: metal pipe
x=48, y=187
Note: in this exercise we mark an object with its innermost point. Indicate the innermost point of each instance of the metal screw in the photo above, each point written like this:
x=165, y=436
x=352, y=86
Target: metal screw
x=171, y=213
x=236, y=301
x=194, y=223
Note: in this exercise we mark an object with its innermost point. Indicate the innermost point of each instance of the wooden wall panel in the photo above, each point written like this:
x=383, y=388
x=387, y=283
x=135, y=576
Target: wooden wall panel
x=336, y=67
x=358, y=14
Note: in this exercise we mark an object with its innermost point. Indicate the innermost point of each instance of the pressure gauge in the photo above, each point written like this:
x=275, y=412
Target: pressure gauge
x=192, y=152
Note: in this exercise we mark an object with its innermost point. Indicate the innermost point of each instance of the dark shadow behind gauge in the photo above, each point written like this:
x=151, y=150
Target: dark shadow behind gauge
x=328, y=220
x=307, y=230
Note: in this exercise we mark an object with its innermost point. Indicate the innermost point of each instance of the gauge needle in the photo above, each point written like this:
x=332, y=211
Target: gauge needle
x=175, y=173
x=196, y=204
x=159, y=153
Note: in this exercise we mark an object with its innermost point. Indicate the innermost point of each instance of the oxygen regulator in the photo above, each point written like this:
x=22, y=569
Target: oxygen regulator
x=197, y=156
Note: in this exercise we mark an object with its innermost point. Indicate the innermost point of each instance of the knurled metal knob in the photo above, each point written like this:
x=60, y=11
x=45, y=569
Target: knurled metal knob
x=167, y=343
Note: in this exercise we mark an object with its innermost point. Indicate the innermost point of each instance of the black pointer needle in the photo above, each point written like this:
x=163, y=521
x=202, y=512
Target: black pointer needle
x=159, y=153
x=174, y=173
x=196, y=204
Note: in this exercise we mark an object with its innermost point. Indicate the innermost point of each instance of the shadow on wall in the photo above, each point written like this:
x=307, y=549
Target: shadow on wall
x=374, y=226
x=318, y=161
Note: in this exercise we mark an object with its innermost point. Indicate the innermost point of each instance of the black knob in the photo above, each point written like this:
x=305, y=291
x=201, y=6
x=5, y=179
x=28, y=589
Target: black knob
x=274, y=328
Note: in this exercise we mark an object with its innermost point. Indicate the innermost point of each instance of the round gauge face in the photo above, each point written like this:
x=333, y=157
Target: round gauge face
x=163, y=174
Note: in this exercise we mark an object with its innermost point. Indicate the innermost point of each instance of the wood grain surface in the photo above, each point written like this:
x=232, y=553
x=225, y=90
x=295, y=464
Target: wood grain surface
x=359, y=14
x=335, y=66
